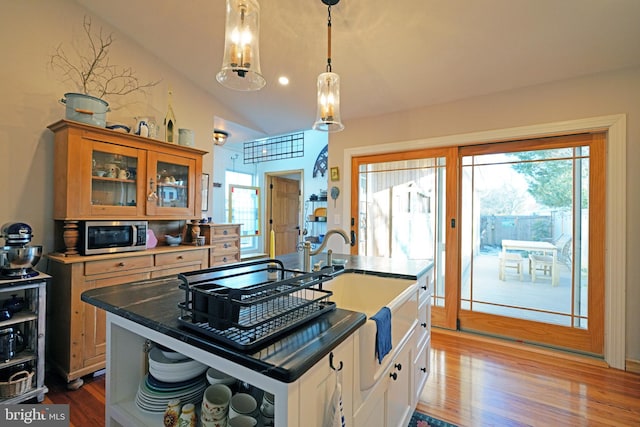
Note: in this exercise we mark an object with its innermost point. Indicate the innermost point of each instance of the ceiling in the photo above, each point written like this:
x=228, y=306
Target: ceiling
x=391, y=56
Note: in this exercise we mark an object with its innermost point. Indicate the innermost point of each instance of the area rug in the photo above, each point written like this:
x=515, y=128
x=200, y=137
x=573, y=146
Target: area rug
x=423, y=420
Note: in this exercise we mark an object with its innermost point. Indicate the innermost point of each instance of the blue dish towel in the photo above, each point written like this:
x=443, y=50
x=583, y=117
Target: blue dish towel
x=383, y=332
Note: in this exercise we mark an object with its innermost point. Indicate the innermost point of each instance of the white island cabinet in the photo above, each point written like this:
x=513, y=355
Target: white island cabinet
x=296, y=403
x=381, y=394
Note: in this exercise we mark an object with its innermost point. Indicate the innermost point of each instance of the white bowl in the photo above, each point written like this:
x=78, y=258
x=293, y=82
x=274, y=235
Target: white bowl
x=216, y=377
x=173, y=240
x=173, y=355
x=176, y=376
x=160, y=357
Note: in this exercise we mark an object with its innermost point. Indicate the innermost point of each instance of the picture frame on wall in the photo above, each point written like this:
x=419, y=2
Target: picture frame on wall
x=205, y=191
x=335, y=174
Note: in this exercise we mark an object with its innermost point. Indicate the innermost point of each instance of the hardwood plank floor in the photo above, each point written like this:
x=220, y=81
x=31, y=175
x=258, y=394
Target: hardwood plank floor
x=474, y=382
x=478, y=381
x=86, y=405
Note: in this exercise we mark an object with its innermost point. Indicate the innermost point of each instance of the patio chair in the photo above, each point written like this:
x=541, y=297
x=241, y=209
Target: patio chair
x=509, y=260
x=542, y=263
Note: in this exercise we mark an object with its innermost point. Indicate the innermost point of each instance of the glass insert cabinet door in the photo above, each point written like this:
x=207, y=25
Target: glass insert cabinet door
x=171, y=186
x=115, y=179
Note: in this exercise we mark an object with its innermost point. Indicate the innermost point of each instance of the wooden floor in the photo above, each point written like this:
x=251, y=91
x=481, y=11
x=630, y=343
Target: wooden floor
x=474, y=382
x=86, y=405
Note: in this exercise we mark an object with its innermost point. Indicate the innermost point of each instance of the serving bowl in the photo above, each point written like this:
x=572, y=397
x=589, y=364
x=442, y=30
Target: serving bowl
x=173, y=240
x=118, y=127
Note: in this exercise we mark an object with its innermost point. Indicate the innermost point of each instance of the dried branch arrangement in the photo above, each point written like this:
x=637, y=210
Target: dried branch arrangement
x=90, y=70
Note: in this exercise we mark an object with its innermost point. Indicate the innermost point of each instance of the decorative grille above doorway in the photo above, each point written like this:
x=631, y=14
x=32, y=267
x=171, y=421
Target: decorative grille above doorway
x=278, y=148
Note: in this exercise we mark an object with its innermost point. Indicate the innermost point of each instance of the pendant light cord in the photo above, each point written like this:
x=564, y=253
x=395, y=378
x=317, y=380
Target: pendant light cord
x=329, y=40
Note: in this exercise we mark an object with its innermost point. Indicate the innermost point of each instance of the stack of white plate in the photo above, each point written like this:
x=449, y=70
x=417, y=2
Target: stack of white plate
x=173, y=369
x=153, y=395
x=171, y=376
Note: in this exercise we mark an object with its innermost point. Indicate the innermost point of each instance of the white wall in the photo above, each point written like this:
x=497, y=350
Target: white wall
x=580, y=98
x=29, y=33
x=314, y=142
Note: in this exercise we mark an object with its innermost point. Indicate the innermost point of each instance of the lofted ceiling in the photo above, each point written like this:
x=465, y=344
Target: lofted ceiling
x=390, y=55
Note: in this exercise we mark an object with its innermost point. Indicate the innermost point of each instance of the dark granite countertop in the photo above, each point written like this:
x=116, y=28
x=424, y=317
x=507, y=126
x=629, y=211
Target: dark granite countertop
x=402, y=269
x=154, y=303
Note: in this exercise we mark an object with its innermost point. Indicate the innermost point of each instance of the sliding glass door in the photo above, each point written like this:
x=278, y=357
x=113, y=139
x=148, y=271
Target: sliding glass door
x=402, y=212
x=531, y=240
x=515, y=230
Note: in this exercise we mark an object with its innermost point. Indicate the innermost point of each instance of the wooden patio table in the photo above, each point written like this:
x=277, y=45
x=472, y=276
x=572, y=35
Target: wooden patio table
x=545, y=248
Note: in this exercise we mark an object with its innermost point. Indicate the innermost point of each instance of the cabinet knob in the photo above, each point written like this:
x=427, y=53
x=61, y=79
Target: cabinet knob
x=179, y=257
x=398, y=366
x=121, y=264
x=424, y=370
x=393, y=376
x=225, y=232
x=424, y=325
x=424, y=288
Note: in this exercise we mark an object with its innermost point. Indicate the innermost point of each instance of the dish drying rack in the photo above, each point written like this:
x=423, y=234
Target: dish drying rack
x=252, y=310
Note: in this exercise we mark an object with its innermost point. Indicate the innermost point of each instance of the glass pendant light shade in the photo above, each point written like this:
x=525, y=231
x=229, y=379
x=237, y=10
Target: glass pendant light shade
x=241, y=61
x=328, y=112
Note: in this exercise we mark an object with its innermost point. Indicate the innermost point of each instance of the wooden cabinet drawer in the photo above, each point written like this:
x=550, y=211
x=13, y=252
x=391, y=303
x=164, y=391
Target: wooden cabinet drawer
x=180, y=257
x=119, y=264
x=231, y=230
x=225, y=246
x=217, y=260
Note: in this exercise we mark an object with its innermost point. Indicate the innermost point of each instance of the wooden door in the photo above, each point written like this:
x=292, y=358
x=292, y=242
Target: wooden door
x=285, y=213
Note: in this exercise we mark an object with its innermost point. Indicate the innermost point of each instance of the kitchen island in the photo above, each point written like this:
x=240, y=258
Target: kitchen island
x=296, y=368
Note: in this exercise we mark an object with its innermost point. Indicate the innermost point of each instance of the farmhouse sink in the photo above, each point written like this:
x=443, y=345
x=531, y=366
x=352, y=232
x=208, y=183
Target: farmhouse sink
x=368, y=293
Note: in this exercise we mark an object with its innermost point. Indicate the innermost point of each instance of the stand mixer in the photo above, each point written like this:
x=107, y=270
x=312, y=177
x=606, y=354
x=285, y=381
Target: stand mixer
x=17, y=257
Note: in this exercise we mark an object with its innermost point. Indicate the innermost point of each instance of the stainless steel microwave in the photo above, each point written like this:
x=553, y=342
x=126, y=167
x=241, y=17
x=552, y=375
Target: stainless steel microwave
x=105, y=237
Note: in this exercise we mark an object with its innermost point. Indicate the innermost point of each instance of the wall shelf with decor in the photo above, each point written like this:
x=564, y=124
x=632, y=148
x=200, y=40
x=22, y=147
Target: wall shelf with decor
x=315, y=221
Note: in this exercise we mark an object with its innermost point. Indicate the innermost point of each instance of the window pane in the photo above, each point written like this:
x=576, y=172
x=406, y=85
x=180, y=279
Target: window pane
x=523, y=214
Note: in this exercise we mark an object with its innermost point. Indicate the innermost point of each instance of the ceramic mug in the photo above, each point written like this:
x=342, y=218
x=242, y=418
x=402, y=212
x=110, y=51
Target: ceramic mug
x=242, y=404
x=215, y=402
x=205, y=422
x=267, y=408
x=242, y=421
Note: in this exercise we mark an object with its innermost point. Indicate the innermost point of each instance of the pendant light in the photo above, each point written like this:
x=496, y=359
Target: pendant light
x=328, y=112
x=241, y=61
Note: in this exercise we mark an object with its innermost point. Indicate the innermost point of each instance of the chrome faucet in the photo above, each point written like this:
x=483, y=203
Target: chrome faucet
x=308, y=252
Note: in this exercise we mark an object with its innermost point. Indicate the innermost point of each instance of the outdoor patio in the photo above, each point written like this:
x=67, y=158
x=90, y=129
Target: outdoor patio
x=537, y=300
